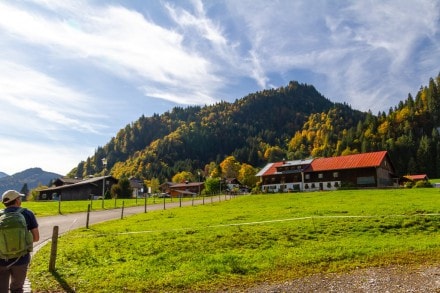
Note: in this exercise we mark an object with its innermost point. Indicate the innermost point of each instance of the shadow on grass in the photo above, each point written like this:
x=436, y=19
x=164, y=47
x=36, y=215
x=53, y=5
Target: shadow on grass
x=62, y=282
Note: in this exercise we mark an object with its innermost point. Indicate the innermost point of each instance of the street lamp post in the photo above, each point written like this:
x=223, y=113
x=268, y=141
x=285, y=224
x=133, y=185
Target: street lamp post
x=104, y=164
x=199, y=181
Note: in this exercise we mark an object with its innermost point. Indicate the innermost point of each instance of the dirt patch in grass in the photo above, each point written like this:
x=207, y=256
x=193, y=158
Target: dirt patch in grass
x=383, y=279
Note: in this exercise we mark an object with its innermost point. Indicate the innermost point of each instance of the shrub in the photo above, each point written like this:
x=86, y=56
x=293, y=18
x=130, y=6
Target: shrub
x=423, y=184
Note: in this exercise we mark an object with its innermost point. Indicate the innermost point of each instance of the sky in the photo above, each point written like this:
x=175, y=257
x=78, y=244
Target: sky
x=75, y=72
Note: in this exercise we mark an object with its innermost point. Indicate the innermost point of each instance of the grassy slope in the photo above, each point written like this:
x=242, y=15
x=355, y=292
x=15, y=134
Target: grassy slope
x=246, y=240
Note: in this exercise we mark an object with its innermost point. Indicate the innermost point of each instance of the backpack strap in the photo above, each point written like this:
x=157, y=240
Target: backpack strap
x=18, y=210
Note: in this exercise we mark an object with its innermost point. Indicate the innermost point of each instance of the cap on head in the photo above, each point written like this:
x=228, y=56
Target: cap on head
x=10, y=195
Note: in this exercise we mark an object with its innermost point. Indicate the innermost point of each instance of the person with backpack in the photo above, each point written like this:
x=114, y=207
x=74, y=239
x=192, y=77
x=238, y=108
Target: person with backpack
x=18, y=231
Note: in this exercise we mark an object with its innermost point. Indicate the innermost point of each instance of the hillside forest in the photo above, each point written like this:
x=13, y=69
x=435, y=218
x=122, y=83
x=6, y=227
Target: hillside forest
x=234, y=140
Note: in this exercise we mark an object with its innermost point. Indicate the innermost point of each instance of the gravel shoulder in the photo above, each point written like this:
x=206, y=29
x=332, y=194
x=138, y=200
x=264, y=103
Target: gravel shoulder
x=392, y=279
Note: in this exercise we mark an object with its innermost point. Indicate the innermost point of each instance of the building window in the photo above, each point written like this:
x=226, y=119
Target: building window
x=367, y=180
x=320, y=175
x=335, y=174
x=307, y=176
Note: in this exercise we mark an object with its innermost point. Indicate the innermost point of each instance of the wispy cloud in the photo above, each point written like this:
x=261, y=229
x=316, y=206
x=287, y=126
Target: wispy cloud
x=35, y=99
x=117, y=40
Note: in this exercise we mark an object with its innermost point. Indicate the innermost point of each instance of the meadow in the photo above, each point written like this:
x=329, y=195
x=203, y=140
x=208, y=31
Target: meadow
x=52, y=208
x=246, y=240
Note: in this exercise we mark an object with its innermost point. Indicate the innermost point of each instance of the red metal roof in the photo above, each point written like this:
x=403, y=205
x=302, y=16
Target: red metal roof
x=417, y=177
x=348, y=162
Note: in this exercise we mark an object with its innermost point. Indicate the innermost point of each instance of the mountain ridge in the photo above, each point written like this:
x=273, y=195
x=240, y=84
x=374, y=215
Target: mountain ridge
x=32, y=177
x=189, y=138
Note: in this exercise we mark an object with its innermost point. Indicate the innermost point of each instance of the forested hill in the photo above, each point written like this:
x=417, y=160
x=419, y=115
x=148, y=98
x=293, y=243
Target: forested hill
x=291, y=122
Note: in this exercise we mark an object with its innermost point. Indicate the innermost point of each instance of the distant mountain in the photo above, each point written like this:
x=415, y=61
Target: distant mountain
x=3, y=175
x=32, y=177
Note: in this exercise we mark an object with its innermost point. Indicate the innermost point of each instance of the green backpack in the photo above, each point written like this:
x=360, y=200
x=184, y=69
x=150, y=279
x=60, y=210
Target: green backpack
x=15, y=239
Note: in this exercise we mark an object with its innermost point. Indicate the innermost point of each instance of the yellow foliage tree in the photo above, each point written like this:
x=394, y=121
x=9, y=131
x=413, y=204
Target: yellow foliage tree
x=230, y=167
x=246, y=175
x=182, y=177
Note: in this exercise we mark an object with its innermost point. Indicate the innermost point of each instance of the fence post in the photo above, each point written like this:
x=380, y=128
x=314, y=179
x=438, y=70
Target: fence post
x=88, y=216
x=145, y=204
x=122, y=212
x=59, y=205
x=164, y=202
x=53, y=250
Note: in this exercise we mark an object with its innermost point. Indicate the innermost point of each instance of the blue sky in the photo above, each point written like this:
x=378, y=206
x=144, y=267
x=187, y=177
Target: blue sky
x=74, y=72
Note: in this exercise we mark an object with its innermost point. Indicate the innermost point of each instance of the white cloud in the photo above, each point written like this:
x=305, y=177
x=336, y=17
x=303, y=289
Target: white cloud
x=34, y=102
x=118, y=40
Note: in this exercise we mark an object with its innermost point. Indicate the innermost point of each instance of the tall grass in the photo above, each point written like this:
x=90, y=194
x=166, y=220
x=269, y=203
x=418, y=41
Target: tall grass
x=246, y=240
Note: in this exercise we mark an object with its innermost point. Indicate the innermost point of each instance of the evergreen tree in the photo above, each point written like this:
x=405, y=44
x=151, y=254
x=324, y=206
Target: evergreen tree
x=424, y=157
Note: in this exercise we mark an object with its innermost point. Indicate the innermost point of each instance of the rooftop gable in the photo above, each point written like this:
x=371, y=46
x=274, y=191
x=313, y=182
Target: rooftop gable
x=416, y=177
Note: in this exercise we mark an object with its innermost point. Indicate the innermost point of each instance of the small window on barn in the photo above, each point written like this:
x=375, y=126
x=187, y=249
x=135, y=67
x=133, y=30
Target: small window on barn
x=335, y=174
x=307, y=176
x=320, y=175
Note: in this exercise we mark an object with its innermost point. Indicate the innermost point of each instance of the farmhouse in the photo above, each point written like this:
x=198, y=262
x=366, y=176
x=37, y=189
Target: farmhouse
x=187, y=189
x=373, y=169
x=78, y=189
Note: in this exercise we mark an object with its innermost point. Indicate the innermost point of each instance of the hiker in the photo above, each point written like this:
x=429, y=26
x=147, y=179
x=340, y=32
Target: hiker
x=17, y=226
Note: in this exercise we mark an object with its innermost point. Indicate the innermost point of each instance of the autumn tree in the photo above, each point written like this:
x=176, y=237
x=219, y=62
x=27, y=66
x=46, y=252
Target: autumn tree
x=274, y=154
x=246, y=175
x=230, y=167
x=183, y=177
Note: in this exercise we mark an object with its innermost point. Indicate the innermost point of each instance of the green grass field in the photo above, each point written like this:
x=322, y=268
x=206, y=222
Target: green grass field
x=51, y=208
x=246, y=240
